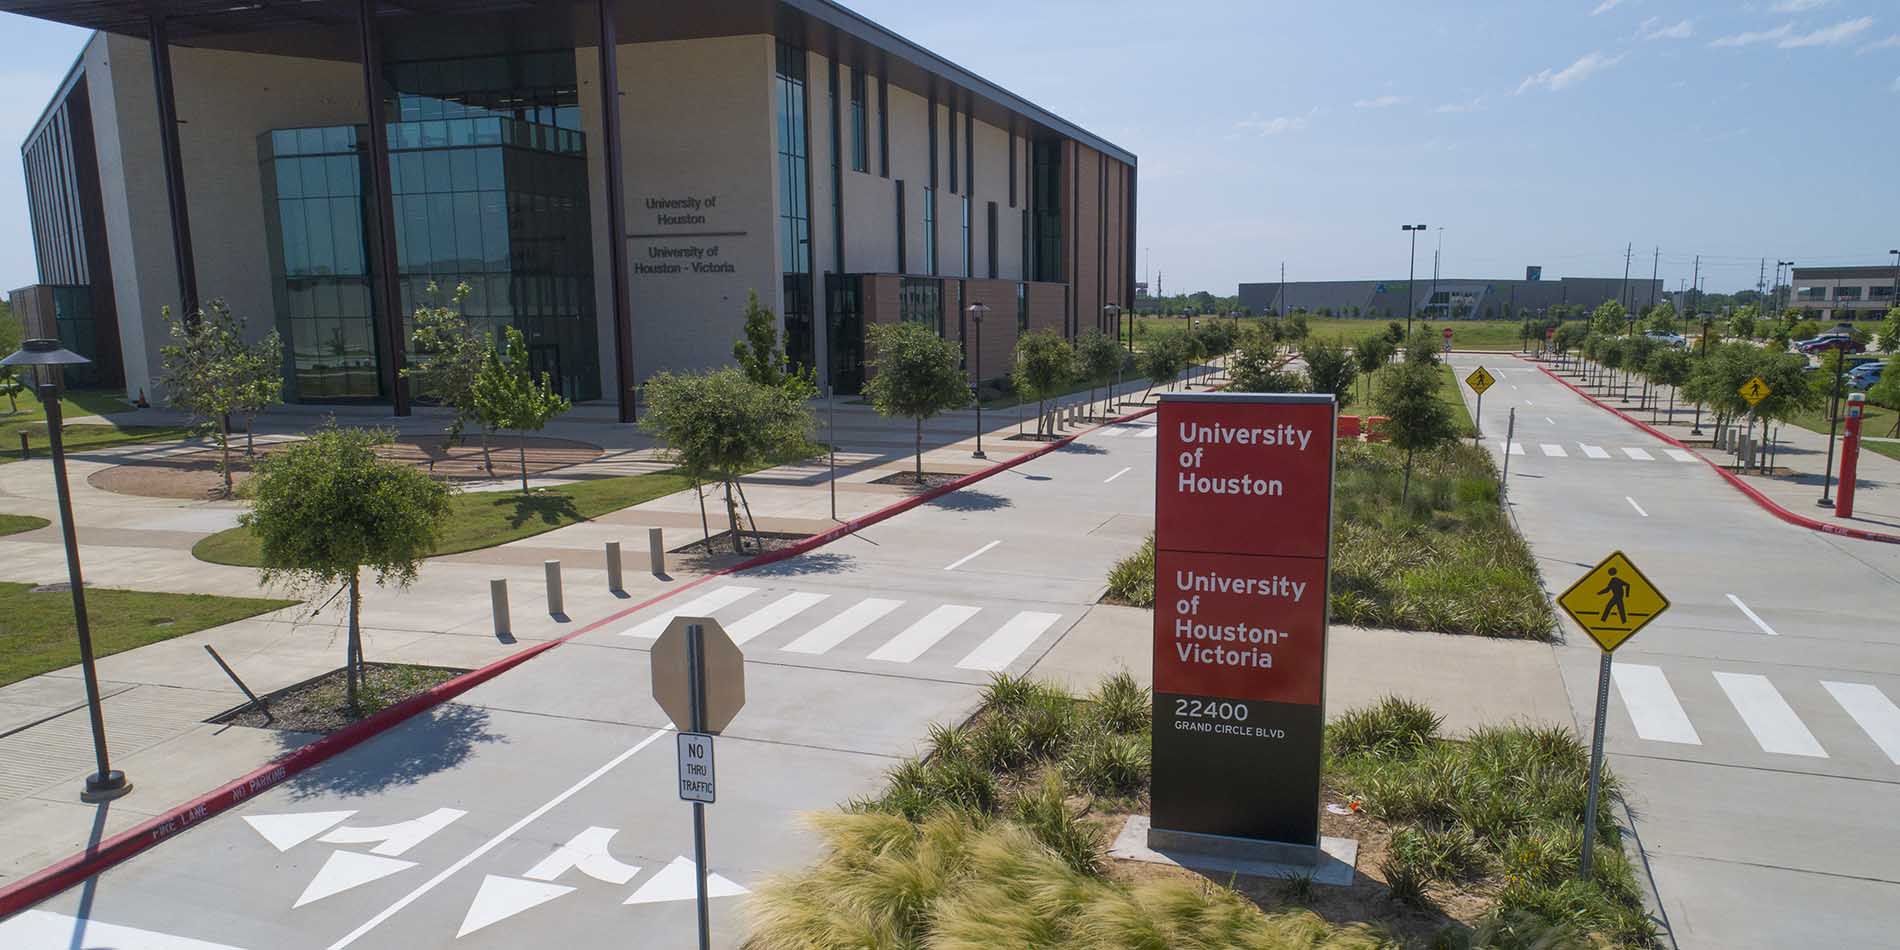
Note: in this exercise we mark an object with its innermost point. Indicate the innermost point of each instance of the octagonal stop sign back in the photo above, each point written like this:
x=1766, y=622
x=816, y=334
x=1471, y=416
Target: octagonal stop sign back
x=725, y=674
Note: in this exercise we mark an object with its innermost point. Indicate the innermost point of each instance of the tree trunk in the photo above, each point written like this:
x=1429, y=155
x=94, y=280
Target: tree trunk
x=1405, y=491
x=732, y=519
x=224, y=451
x=488, y=461
x=705, y=527
x=919, y=457
x=353, y=662
x=521, y=450
x=250, y=445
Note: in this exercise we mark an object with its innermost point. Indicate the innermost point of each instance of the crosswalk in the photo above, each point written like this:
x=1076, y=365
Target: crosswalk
x=1558, y=450
x=1132, y=430
x=1657, y=714
x=988, y=640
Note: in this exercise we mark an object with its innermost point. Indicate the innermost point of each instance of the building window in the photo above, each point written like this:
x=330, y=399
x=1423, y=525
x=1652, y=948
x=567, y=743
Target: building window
x=1847, y=293
x=844, y=311
x=969, y=261
x=901, y=263
x=969, y=153
x=930, y=230
x=1810, y=293
x=794, y=171
x=1882, y=292
x=953, y=148
x=860, y=141
x=883, y=127
x=990, y=235
x=1045, y=186
x=920, y=300
x=1022, y=308
x=1012, y=169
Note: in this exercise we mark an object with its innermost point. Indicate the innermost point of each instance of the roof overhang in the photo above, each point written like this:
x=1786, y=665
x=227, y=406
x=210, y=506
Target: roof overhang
x=326, y=29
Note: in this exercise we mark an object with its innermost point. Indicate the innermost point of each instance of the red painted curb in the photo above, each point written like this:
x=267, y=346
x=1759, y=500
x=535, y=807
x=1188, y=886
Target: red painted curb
x=50, y=880
x=1754, y=494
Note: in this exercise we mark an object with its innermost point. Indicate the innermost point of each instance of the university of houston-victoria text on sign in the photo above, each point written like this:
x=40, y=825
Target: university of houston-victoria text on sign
x=1243, y=526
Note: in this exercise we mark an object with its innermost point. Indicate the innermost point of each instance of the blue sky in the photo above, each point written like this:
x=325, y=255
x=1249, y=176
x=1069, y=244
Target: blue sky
x=1548, y=133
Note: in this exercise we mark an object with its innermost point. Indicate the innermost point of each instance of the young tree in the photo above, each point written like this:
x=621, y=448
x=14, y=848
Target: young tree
x=1329, y=369
x=450, y=354
x=1260, y=367
x=1423, y=347
x=1098, y=356
x=1045, y=363
x=1663, y=318
x=10, y=385
x=1371, y=354
x=327, y=507
x=720, y=424
x=1609, y=318
x=1890, y=332
x=1417, y=420
x=1741, y=323
x=1163, y=358
x=1636, y=353
x=508, y=396
x=1668, y=367
x=210, y=372
x=760, y=357
x=918, y=374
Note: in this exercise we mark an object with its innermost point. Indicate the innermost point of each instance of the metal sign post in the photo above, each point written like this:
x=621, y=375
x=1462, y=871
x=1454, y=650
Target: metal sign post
x=831, y=438
x=1504, y=479
x=696, y=693
x=695, y=653
x=1479, y=381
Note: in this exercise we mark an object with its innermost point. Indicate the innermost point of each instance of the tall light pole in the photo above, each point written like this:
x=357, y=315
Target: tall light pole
x=1114, y=312
x=1790, y=285
x=1411, y=275
x=1432, y=298
x=977, y=312
x=1894, y=304
x=49, y=360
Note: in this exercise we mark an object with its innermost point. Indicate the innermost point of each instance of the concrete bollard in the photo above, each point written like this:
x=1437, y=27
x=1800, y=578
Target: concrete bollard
x=498, y=602
x=656, y=550
x=553, y=570
x=613, y=567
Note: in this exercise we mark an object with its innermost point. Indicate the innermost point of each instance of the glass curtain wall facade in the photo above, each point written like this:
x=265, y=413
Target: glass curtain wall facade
x=487, y=193
x=794, y=175
x=1045, y=198
x=844, y=309
x=69, y=246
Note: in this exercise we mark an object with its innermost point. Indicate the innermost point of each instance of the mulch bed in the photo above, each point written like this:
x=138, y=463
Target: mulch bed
x=929, y=480
x=194, y=474
x=754, y=542
x=1032, y=437
x=320, y=706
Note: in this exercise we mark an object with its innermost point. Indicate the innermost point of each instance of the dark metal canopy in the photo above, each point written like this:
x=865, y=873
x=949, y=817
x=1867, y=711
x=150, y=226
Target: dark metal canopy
x=326, y=29
x=43, y=352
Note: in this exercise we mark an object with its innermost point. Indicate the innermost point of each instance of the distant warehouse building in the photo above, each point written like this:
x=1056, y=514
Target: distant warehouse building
x=1844, y=293
x=1448, y=298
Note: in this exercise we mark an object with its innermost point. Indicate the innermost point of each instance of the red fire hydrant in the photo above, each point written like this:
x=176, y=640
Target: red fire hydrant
x=1850, y=455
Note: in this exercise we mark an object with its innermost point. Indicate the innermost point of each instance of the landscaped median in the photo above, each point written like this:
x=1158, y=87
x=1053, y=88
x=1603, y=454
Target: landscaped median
x=998, y=838
x=30, y=418
x=37, y=634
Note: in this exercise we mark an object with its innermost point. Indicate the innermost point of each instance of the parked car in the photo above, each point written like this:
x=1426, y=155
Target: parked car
x=1863, y=377
x=1835, y=339
x=1667, y=338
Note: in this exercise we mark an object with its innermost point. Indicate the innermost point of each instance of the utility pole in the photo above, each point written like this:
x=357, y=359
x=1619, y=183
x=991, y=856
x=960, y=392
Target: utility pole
x=1654, y=263
x=1283, y=289
x=1695, y=284
x=1623, y=297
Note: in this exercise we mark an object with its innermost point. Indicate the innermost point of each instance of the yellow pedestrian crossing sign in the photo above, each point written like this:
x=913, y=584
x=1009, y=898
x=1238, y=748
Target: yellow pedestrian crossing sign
x=1755, y=390
x=1613, y=601
x=1480, y=380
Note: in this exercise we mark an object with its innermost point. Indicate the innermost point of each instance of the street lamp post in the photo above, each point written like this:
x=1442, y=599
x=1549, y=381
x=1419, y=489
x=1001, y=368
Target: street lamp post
x=48, y=360
x=1895, y=303
x=1833, y=424
x=1789, y=285
x=1708, y=323
x=977, y=312
x=1114, y=312
x=1411, y=274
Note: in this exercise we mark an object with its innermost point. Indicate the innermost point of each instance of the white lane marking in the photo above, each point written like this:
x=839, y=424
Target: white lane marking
x=771, y=615
x=1553, y=451
x=1769, y=716
x=1873, y=711
x=679, y=881
x=1594, y=451
x=1113, y=432
x=1550, y=420
x=36, y=929
x=397, y=837
x=1529, y=403
x=1513, y=387
x=1117, y=475
x=288, y=831
x=588, y=853
x=701, y=606
x=503, y=897
x=1639, y=455
x=922, y=635
x=1147, y=432
x=347, y=869
x=1680, y=455
x=1633, y=504
x=1516, y=448
x=1763, y=624
x=492, y=843
x=973, y=555
x=1653, y=707
x=1006, y=644
x=840, y=628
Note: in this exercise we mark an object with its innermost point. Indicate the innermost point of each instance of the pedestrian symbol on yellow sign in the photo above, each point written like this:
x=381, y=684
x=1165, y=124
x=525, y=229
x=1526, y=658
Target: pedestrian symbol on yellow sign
x=1613, y=601
x=1755, y=390
x=1480, y=380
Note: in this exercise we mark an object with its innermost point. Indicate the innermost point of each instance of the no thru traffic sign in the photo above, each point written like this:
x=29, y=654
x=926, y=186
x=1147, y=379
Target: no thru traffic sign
x=696, y=768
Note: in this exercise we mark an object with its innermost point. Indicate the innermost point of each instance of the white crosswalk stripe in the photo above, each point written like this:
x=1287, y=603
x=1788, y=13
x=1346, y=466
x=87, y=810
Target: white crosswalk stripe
x=1639, y=455
x=924, y=634
x=1006, y=644
x=1593, y=451
x=771, y=615
x=1873, y=712
x=1553, y=451
x=1653, y=707
x=1768, y=715
x=1146, y=432
x=840, y=628
x=700, y=606
x=1112, y=432
x=1680, y=455
x=1516, y=448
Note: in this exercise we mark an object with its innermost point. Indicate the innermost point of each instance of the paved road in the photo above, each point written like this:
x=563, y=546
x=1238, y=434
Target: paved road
x=1755, y=722
x=540, y=809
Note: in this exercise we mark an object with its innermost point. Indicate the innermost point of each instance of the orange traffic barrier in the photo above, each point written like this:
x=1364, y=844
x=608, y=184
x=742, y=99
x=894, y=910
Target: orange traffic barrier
x=1375, y=428
x=1349, y=427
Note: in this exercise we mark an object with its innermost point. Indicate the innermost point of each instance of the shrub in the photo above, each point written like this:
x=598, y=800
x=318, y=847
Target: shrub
x=1122, y=706
x=1405, y=882
x=918, y=789
x=1048, y=723
x=1102, y=763
x=1043, y=809
x=1132, y=579
x=1395, y=726
x=1006, y=693
x=1444, y=853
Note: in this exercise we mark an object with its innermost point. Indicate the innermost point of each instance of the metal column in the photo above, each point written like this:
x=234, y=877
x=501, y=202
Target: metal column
x=183, y=259
x=382, y=223
x=616, y=208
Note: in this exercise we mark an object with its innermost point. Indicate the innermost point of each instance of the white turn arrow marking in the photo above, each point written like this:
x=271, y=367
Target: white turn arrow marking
x=396, y=838
x=288, y=831
x=503, y=897
x=676, y=882
x=347, y=869
x=588, y=852
x=45, y=930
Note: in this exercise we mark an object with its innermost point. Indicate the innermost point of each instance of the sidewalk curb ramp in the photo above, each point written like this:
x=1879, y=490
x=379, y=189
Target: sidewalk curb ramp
x=1754, y=494
x=101, y=856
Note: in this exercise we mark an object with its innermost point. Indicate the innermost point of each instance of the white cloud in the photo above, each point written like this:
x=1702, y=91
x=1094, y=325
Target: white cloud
x=1606, y=6
x=1829, y=35
x=1750, y=39
x=1654, y=29
x=1381, y=102
x=1889, y=43
x=1798, y=6
x=1278, y=125
x=1471, y=106
x=1586, y=65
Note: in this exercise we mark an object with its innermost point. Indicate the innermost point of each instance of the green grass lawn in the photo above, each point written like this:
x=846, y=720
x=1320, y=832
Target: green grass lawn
x=1449, y=391
x=37, y=634
x=1876, y=422
x=1501, y=335
x=14, y=524
x=31, y=419
x=484, y=519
